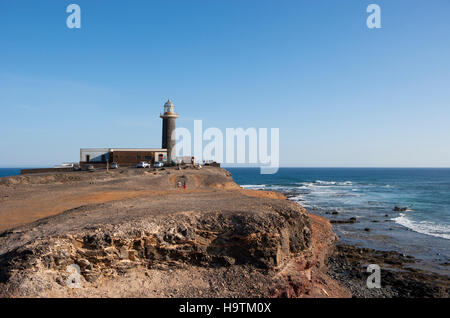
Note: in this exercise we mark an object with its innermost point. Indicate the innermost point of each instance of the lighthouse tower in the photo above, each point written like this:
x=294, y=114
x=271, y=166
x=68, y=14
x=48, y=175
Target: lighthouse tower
x=168, y=129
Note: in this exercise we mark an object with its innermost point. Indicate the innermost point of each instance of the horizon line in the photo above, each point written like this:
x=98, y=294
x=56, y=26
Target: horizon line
x=256, y=167
x=349, y=167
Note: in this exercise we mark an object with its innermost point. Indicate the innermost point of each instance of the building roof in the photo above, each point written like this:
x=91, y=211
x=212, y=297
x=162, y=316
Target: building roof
x=95, y=149
x=124, y=149
x=138, y=149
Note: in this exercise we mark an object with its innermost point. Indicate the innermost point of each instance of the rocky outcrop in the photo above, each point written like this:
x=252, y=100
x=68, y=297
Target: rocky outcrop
x=305, y=275
x=401, y=275
x=215, y=243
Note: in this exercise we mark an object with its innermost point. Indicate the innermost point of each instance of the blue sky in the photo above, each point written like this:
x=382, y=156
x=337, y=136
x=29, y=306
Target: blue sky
x=341, y=94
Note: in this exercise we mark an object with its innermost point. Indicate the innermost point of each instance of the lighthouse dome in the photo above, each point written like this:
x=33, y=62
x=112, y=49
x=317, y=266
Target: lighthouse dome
x=169, y=107
x=168, y=103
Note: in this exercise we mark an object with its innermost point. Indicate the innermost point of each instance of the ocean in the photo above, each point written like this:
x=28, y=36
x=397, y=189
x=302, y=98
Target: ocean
x=6, y=172
x=370, y=195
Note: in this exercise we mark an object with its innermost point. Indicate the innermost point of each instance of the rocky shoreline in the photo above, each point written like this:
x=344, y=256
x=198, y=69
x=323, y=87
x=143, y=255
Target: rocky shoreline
x=348, y=266
x=401, y=275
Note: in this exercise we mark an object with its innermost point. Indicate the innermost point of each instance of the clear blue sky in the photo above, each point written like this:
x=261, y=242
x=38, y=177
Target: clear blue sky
x=341, y=94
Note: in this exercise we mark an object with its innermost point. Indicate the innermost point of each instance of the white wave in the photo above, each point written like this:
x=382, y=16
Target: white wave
x=253, y=186
x=332, y=183
x=275, y=187
x=296, y=198
x=267, y=187
x=306, y=184
x=424, y=227
x=325, y=182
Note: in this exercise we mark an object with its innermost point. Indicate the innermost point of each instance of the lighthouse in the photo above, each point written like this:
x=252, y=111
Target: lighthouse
x=168, y=128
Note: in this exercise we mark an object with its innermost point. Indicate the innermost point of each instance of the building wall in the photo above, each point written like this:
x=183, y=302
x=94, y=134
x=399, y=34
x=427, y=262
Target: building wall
x=122, y=156
x=94, y=155
x=134, y=157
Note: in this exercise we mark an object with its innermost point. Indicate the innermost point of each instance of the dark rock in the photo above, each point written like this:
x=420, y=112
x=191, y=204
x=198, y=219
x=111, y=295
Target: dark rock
x=398, y=280
x=349, y=221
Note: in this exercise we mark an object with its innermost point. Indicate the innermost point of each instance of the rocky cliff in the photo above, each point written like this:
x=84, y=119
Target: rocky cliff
x=136, y=233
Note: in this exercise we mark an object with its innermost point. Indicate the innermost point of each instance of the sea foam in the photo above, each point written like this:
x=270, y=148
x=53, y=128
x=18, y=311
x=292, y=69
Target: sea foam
x=424, y=227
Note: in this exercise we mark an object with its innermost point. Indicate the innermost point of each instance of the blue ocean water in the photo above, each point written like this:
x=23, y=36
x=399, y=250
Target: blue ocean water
x=370, y=195
x=6, y=172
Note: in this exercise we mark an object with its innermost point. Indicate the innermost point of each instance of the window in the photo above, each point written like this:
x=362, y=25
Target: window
x=138, y=157
x=148, y=157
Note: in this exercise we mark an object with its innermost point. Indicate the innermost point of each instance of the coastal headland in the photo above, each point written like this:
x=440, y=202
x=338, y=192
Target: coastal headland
x=141, y=233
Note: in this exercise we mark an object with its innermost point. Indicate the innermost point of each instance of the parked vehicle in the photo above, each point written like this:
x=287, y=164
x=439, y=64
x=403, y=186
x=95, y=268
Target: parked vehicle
x=159, y=164
x=90, y=168
x=114, y=165
x=76, y=167
x=143, y=164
